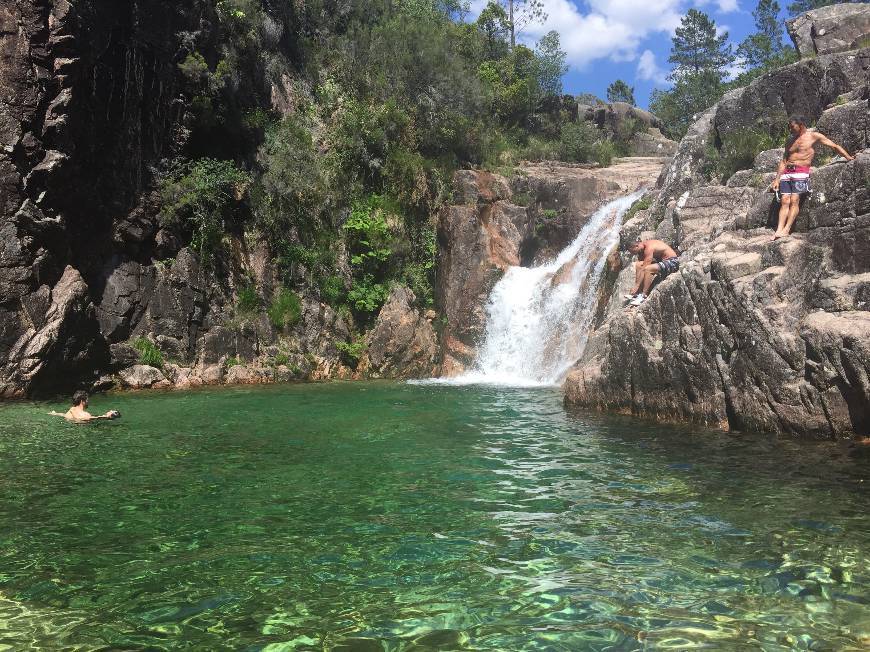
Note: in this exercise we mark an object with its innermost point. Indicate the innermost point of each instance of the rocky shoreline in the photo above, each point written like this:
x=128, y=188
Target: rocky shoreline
x=753, y=334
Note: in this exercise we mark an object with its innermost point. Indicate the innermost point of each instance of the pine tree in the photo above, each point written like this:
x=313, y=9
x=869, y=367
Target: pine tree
x=700, y=59
x=521, y=14
x=759, y=49
x=619, y=91
x=696, y=47
x=550, y=63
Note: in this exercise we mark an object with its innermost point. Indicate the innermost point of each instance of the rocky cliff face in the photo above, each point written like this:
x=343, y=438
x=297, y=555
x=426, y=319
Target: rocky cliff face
x=496, y=222
x=86, y=106
x=92, y=106
x=752, y=334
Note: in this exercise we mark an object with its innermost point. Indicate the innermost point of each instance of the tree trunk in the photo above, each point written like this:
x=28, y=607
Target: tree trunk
x=511, y=19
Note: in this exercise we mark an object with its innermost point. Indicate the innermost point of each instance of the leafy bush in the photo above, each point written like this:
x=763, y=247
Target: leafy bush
x=291, y=192
x=604, y=153
x=367, y=296
x=332, y=289
x=578, y=142
x=248, y=301
x=286, y=309
x=738, y=151
x=369, y=235
x=233, y=362
x=149, y=354
x=641, y=204
x=203, y=196
x=281, y=360
x=352, y=351
x=549, y=213
x=419, y=273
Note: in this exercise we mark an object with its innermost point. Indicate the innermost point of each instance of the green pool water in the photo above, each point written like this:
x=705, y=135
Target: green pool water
x=387, y=516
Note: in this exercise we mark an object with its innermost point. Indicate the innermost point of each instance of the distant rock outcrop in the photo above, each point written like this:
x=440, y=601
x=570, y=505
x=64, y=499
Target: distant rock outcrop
x=752, y=334
x=622, y=120
x=835, y=28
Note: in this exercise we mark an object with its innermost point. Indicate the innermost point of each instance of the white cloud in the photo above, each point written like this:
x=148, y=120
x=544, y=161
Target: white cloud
x=649, y=69
x=610, y=29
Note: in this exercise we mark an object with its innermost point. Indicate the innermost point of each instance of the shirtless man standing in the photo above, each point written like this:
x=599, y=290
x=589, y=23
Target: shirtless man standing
x=793, y=175
x=654, y=257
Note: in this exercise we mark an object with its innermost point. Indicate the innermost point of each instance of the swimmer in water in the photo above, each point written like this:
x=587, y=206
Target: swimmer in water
x=79, y=410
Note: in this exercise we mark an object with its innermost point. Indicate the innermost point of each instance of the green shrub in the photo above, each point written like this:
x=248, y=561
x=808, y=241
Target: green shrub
x=194, y=67
x=233, y=362
x=549, y=213
x=149, y=354
x=332, y=289
x=641, y=204
x=521, y=199
x=281, y=360
x=291, y=192
x=202, y=195
x=352, y=351
x=366, y=296
x=248, y=301
x=286, y=309
x=738, y=151
x=604, y=153
x=577, y=142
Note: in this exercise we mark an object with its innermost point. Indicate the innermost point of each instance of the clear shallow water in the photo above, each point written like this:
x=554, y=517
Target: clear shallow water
x=387, y=517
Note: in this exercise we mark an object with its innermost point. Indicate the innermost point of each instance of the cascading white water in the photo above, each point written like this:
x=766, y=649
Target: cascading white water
x=538, y=318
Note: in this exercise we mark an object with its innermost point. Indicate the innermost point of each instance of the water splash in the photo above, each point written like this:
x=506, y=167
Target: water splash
x=538, y=318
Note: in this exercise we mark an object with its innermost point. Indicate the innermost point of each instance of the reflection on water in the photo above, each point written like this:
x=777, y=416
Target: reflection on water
x=396, y=517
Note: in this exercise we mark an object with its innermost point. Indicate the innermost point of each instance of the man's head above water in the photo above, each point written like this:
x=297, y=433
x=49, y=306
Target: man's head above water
x=80, y=399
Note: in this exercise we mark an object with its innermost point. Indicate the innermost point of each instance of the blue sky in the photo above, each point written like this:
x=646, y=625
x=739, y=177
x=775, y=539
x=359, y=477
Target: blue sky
x=627, y=39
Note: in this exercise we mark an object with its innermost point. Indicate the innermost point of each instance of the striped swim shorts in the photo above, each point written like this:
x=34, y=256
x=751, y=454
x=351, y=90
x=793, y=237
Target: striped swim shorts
x=795, y=180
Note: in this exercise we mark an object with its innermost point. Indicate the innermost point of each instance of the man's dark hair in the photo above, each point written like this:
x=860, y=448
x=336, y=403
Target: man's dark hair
x=798, y=119
x=80, y=397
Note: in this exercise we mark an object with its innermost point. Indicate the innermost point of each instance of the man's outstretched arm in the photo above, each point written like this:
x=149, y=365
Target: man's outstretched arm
x=824, y=140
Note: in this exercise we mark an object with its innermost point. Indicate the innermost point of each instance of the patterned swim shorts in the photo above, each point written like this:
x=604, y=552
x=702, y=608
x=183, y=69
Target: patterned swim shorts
x=668, y=266
x=795, y=181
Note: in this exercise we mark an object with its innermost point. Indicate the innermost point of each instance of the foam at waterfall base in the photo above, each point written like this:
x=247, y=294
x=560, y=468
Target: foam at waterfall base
x=538, y=318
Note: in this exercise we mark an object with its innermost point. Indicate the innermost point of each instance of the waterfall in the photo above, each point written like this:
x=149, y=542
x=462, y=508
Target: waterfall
x=538, y=318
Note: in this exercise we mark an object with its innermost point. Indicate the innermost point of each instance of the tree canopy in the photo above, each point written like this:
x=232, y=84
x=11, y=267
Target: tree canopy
x=619, y=91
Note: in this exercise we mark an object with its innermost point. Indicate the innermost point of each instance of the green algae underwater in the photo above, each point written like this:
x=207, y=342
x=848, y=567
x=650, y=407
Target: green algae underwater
x=386, y=516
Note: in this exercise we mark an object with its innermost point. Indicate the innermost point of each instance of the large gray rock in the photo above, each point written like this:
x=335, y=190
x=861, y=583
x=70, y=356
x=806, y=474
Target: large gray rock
x=402, y=344
x=141, y=376
x=835, y=28
x=751, y=334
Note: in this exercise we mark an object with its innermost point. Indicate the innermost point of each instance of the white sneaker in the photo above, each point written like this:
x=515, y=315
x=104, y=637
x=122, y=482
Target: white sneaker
x=629, y=296
x=639, y=299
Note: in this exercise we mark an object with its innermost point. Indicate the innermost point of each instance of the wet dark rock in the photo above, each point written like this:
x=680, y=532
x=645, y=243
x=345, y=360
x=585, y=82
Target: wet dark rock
x=123, y=355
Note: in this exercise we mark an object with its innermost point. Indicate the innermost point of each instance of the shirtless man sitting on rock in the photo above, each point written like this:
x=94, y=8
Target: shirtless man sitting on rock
x=654, y=258
x=793, y=175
